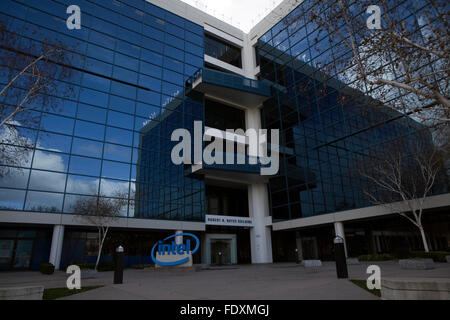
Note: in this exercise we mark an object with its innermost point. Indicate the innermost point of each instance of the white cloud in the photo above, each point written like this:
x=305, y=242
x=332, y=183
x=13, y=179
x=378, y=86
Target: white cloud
x=243, y=14
x=48, y=181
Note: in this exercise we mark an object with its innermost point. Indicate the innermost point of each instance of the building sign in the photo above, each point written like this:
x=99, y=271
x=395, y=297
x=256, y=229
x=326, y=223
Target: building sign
x=228, y=221
x=162, y=248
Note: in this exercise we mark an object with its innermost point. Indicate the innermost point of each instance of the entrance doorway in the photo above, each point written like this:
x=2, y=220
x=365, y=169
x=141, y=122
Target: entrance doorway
x=15, y=253
x=212, y=244
x=220, y=251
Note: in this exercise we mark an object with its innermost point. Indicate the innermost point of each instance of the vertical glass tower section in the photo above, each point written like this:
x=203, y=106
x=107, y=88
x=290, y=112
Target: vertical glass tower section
x=111, y=136
x=326, y=129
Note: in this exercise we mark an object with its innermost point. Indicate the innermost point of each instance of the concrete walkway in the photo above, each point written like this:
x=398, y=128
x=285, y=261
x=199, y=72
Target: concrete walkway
x=274, y=281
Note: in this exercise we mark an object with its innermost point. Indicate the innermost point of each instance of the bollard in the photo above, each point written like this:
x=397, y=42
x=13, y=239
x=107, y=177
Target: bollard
x=220, y=258
x=297, y=258
x=341, y=261
x=118, y=268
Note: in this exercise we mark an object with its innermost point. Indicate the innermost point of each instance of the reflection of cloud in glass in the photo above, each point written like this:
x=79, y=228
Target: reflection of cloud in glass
x=42, y=181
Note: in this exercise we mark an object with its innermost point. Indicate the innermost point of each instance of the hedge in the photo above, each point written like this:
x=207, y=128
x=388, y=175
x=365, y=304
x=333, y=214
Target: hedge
x=47, y=268
x=437, y=256
x=376, y=257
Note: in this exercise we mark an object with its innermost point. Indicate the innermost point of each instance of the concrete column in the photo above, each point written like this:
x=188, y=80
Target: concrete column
x=57, y=245
x=339, y=231
x=371, y=243
x=299, y=246
x=248, y=58
x=258, y=203
x=260, y=236
x=179, y=239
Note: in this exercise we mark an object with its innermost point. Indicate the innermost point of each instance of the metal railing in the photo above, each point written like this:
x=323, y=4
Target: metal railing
x=230, y=81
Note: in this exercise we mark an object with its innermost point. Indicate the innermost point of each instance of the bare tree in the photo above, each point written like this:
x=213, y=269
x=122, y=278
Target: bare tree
x=405, y=64
x=406, y=170
x=31, y=75
x=100, y=212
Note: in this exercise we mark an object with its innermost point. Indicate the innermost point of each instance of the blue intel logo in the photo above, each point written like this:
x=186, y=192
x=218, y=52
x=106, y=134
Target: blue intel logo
x=174, y=249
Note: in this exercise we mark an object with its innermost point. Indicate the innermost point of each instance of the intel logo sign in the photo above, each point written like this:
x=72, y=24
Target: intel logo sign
x=163, y=248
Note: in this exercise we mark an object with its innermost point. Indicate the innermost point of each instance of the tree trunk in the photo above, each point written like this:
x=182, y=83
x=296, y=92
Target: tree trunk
x=99, y=255
x=101, y=239
x=424, y=239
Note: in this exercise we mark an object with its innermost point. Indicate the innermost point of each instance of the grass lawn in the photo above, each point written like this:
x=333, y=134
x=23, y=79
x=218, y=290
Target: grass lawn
x=55, y=293
x=363, y=284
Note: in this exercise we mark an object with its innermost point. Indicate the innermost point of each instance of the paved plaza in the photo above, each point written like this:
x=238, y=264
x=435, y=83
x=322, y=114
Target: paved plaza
x=284, y=281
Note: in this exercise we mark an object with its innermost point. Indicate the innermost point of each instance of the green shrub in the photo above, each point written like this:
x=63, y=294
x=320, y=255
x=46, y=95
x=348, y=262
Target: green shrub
x=437, y=256
x=47, y=268
x=86, y=266
x=376, y=257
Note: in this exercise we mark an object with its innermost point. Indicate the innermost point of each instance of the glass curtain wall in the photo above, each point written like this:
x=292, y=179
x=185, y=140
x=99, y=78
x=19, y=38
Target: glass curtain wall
x=129, y=62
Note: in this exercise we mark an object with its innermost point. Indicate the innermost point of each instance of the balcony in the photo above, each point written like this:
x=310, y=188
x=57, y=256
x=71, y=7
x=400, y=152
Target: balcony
x=242, y=173
x=229, y=87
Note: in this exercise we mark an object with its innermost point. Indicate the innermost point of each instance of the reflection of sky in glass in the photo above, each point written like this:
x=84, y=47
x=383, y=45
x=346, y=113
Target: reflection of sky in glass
x=90, y=143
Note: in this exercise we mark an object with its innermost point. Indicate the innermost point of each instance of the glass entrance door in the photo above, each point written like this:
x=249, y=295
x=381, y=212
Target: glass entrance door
x=222, y=246
x=22, y=256
x=15, y=253
x=6, y=253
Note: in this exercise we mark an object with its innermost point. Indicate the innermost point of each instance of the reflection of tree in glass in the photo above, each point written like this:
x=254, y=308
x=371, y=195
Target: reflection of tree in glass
x=407, y=170
x=100, y=212
x=405, y=64
x=30, y=72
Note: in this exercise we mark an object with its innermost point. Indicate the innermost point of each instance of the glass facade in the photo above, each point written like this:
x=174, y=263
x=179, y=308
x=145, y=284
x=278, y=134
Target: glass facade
x=324, y=132
x=129, y=61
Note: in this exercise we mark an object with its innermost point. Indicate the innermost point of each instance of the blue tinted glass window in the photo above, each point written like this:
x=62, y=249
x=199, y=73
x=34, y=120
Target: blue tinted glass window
x=57, y=124
x=196, y=39
x=47, y=181
x=12, y=199
x=50, y=161
x=102, y=39
x=98, y=66
x=119, y=119
x=93, y=97
x=153, y=33
x=114, y=188
x=85, y=147
x=149, y=97
x=150, y=82
x=116, y=170
x=153, y=45
x=174, y=53
x=94, y=82
x=91, y=113
x=87, y=166
x=121, y=104
x=126, y=61
x=117, y=153
x=14, y=177
x=152, y=57
x=100, y=53
x=151, y=69
x=123, y=90
x=125, y=75
x=89, y=130
x=44, y=202
x=147, y=111
x=119, y=136
x=82, y=185
x=52, y=141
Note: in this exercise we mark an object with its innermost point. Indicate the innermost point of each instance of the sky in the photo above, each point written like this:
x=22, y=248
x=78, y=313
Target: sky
x=243, y=14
